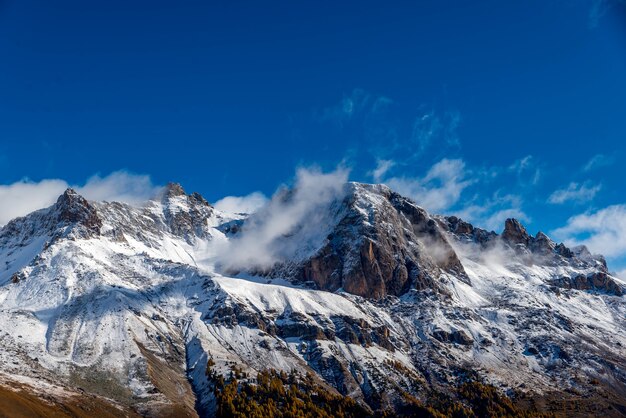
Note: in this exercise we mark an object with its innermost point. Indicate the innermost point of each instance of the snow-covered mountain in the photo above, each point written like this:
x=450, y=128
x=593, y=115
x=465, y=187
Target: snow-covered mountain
x=122, y=307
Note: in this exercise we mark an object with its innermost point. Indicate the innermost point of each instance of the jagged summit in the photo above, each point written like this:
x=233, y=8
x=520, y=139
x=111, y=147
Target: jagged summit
x=515, y=233
x=172, y=189
x=69, y=193
x=72, y=208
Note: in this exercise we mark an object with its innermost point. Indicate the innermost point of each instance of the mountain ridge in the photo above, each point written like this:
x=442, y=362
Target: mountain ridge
x=96, y=292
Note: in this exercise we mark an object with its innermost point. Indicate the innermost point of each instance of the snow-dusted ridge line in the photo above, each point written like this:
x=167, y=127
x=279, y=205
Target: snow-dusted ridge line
x=100, y=294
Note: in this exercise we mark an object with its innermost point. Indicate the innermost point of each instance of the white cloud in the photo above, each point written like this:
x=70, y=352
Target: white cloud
x=119, y=186
x=597, y=161
x=358, y=102
x=268, y=236
x=527, y=169
x=382, y=167
x=575, y=192
x=439, y=189
x=490, y=213
x=25, y=196
x=242, y=204
x=432, y=127
x=602, y=231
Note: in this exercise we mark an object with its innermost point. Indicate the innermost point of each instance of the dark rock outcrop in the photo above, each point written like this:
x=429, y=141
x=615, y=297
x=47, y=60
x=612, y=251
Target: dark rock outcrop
x=454, y=337
x=466, y=232
x=541, y=244
x=186, y=215
x=379, y=250
x=599, y=282
x=73, y=209
x=514, y=233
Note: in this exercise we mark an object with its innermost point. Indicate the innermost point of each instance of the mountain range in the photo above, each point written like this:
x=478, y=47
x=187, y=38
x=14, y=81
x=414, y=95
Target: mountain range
x=109, y=309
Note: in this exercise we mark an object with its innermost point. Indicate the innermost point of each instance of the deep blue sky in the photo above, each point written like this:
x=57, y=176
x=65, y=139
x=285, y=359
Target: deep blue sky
x=229, y=97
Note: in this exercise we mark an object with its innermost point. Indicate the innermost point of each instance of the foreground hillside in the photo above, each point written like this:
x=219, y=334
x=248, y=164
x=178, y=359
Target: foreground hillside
x=355, y=300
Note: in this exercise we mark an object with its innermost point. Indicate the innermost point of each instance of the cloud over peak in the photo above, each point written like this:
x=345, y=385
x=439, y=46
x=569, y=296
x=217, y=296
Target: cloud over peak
x=603, y=231
x=439, y=189
x=25, y=196
x=242, y=204
x=268, y=235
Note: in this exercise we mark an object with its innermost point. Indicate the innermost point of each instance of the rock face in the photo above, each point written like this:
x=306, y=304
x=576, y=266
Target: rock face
x=129, y=304
x=514, y=233
x=382, y=244
x=454, y=337
x=186, y=215
x=73, y=209
x=599, y=281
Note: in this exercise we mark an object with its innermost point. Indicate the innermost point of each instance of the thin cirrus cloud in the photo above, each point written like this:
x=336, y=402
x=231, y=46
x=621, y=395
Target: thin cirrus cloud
x=432, y=127
x=598, y=161
x=575, y=192
x=444, y=188
x=527, y=170
x=599, y=9
x=490, y=213
x=358, y=103
x=382, y=168
x=439, y=189
x=25, y=196
x=602, y=231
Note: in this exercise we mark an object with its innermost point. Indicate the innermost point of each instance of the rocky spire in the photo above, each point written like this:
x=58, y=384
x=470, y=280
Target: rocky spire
x=542, y=244
x=186, y=215
x=72, y=208
x=173, y=190
x=515, y=233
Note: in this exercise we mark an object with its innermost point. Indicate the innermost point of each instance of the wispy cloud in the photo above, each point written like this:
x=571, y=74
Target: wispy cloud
x=242, y=204
x=575, y=192
x=358, y=103
x=119, y=186
x=25, y=196
x=491, y=212
x=599, y=9
x=433, y=128
x=439, y=189
x=527, y=170
x=382, y=168
x=598, y=161
x=603, y=231
x=268, y=236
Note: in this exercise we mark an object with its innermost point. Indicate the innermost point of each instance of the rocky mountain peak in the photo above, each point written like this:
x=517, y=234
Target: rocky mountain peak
x=173, y=189
x=399, y=312
x=72, y=208
x=515, y=233
x=186, y=215
x=378, y=244
x=542, y=244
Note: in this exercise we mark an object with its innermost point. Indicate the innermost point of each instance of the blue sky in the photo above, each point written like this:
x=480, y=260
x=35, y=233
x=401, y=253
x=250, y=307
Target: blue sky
x=485, y=109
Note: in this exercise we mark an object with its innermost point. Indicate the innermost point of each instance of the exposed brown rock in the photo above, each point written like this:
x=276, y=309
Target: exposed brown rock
x=396, y=246
x=598, y=281
x=514, y=233
x=190, y=223
x=72, y=208
x=455, y=337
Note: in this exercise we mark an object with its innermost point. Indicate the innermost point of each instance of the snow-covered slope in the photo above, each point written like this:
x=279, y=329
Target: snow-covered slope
x=129, y=303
